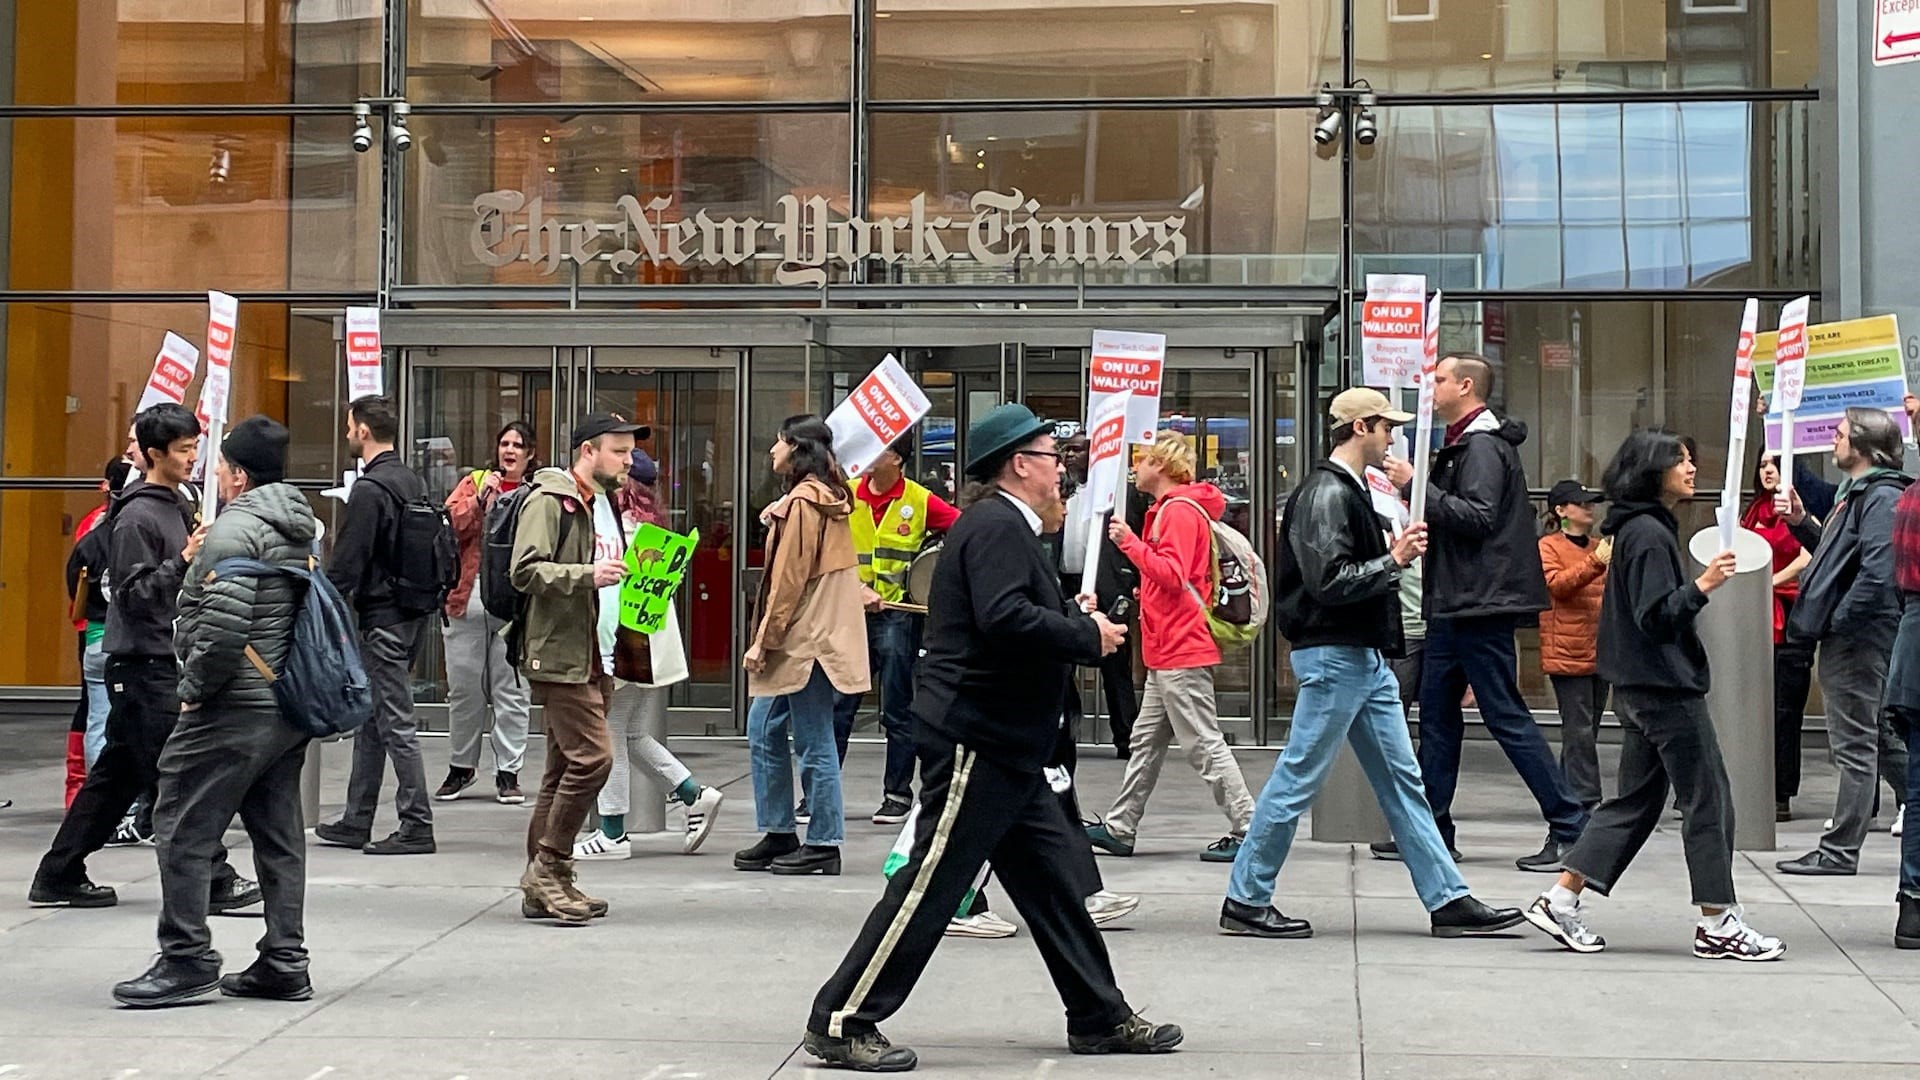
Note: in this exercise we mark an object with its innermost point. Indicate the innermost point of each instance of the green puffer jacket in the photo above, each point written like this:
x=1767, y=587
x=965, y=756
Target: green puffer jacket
x=563, y=607
x=221, y=615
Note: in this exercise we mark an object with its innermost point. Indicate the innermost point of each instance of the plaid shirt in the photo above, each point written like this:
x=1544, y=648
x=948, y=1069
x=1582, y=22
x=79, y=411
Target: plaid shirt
x=1906, y=540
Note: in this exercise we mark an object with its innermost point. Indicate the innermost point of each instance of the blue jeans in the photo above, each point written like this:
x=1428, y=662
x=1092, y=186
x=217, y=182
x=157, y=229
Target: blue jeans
x=893, y=647
x=1478, y=652
x=1347, y=694
x=93, y=674
x=808, y=715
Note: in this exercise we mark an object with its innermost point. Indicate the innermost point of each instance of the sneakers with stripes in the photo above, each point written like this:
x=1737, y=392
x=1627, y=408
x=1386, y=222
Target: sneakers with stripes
x=1564, y=925
x=1730, y=938
x=700, y=818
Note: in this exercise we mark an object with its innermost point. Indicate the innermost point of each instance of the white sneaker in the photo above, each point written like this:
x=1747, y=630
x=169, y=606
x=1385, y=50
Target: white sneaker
x=1900, y=822
x=597, y=848
x=1732, y=939
x=1564, y=925
x=984, y=925
x=1106, y=907
x=700, y=818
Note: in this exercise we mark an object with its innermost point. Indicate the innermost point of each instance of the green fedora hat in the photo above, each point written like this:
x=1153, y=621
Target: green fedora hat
x=1004, y=429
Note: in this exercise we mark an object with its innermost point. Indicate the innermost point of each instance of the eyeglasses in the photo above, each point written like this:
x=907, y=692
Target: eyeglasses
x=1037, y=453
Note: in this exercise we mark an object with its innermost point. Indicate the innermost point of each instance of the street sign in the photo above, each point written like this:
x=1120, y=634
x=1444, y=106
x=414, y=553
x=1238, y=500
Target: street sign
x=1896, y=32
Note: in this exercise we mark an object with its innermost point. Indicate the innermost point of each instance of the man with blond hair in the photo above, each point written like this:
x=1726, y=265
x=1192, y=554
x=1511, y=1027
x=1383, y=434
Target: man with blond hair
x=1175, y=560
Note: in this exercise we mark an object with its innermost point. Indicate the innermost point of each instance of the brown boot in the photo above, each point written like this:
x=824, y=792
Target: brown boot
x=569, y=879
x=541, y=886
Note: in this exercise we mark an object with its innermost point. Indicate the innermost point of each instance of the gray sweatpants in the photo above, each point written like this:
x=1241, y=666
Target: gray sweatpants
x=1179, y=704
x=635, y=710
x=1853, y=676
x=387, y=652
x=479, y=676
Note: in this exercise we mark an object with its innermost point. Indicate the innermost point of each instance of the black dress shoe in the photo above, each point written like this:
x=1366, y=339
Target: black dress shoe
x=1135, y=1035
x=1783, y=811
x=1390, y=852
x=82, y=893
x=261, y=981
x=170, y=982
x=340, y=834
x=232, y=895
x=1546, y=860
x=810, y=859
x=1906, y=932
x=1814, y=864
x=861, y=1053
x=761, y=855
x=402, y=844
x=1466, y=916
x=1249, y=921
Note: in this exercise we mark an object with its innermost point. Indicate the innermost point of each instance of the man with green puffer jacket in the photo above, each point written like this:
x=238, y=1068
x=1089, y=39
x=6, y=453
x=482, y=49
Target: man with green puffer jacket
x=232, y=752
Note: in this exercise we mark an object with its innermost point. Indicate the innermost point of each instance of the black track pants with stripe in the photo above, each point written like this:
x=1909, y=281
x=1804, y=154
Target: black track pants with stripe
x=973, y=810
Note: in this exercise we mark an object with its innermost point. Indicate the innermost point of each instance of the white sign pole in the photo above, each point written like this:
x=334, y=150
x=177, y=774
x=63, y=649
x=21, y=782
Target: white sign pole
x=1423, y=418
x=1106, y=461
x=223, y=319
x=1728, y=515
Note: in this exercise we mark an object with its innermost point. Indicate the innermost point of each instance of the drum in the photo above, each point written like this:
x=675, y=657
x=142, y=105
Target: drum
x=920, y=574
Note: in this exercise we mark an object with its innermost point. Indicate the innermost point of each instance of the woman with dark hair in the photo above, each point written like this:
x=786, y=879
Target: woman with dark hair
x=478, y=674
x=809, y=645
x=1792, y=661
x=1651, y=654
x=1575, y=564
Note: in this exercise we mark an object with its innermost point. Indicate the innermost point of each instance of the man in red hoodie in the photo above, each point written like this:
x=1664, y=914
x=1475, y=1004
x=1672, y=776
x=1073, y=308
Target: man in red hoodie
x=1175, y=561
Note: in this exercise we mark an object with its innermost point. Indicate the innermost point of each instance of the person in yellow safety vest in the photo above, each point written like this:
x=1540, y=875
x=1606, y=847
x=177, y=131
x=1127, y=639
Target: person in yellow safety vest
x=892, y=518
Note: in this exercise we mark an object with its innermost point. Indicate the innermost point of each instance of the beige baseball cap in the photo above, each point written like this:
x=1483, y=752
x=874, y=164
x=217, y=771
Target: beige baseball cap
x=1363, y=403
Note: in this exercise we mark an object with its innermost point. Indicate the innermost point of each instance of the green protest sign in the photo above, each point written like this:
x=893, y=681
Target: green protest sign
x=656, y=561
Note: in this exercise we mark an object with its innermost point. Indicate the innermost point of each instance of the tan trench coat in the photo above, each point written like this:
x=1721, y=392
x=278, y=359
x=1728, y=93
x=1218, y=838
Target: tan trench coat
x=809, y=601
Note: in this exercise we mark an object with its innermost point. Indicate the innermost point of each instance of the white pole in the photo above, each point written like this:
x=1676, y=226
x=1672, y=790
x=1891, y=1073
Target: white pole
x=210, y=484
x=1090, y=570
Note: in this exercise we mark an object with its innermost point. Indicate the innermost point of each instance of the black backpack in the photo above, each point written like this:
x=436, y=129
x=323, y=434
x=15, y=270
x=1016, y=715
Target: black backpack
x=424, y=565
x=497, y=594
x=323, y=689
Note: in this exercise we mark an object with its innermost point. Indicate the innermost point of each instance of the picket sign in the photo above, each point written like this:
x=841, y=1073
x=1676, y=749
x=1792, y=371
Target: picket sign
x=1737, y=416
x=173, y=370
x=1423, y=417
x=1790, y=379
x=364, y=376
x=223, y=319
x=1106, y=465
x=885, y=406
x=1392, y=330
x=1122, y=362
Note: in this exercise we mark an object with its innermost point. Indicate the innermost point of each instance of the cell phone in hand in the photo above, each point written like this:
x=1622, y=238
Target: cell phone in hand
x=1122, y=608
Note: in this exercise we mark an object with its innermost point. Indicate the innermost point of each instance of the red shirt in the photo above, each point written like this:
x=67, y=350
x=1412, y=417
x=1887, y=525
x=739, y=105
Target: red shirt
x=1459, y=427
x=940, y=513
x=1761, y=518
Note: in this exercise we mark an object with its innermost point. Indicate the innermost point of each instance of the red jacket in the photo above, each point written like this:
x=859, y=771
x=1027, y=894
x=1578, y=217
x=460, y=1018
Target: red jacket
x=1171, y=555
x=467, y=510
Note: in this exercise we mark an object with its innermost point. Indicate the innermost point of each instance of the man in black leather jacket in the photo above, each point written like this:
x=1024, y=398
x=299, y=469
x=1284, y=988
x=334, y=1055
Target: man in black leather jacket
x=1337, y=593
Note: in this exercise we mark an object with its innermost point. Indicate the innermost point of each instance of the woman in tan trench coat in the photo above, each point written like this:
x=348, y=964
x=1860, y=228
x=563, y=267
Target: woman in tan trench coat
x=809, y=645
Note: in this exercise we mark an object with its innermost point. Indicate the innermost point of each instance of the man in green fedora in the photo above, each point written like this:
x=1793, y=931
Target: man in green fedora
x=1000, y=644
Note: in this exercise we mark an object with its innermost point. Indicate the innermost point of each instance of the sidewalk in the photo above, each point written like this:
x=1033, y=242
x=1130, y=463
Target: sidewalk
x=423, y=967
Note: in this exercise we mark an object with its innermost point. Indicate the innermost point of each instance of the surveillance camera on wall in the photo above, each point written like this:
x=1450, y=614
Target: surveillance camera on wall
x=1327, y=127
x=397, y=134
x=362, y=131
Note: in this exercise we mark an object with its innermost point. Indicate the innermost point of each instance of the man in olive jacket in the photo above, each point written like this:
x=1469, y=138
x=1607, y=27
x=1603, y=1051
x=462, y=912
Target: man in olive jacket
x=558, y=570
x=232, y=752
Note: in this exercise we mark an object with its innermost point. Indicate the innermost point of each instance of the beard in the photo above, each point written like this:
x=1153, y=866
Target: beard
x=610, y=482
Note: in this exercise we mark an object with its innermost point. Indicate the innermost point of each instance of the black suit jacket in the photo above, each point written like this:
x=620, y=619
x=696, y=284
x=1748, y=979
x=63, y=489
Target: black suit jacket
x=1000, y=642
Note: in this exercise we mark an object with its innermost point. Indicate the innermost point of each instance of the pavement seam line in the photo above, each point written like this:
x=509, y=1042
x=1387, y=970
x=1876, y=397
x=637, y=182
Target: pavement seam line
x=1912, y=1021
x=1353, y=899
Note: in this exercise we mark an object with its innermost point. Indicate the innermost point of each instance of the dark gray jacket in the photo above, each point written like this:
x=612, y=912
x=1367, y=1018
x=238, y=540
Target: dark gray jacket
x=221, y=615
x=1848, y=587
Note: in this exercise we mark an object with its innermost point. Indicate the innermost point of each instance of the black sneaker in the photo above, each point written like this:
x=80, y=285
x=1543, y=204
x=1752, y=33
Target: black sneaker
x=235, y=894
x=1245, y=920
x=261, y=981
x=79, y=894
x=810, y=859
x=170, y=982
x=402, y=844
x=1815, y=864
x=893, y=810
x=1546, y=860
x=506, y=786
x=861, y=1053
x=761, y=855
x=339, y=834
x=129, y=834
x=1390, y=852
x=1135, y=1035
x=1782, y=810
x=457, y=781
x=1467, y=916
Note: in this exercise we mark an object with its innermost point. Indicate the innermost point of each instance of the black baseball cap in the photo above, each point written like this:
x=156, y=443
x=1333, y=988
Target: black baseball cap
x=1571, y=491
x=594, y=425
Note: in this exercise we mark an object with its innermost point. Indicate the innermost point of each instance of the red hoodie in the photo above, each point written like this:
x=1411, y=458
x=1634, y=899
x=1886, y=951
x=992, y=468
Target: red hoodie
x=1173, y=623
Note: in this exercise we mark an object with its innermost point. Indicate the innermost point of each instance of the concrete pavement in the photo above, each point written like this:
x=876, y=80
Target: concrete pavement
x=423, y=966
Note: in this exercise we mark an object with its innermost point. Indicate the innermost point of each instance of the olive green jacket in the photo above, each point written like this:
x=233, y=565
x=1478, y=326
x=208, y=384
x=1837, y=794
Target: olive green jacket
x=557, y=633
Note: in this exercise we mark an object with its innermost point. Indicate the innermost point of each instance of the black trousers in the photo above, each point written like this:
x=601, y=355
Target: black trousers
x=1084, y=873
x=144, y=696
x=1792, y=681
x=972, y=810
x=219, y=763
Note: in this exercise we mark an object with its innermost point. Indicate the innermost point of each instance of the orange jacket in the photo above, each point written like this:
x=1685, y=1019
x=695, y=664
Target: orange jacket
x=1575, y=582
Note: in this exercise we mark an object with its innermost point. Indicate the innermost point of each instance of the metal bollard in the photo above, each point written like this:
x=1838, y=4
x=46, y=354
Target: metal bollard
x=310, y=786
x=1346, y=811
x=649, y=795
x=1737, y=629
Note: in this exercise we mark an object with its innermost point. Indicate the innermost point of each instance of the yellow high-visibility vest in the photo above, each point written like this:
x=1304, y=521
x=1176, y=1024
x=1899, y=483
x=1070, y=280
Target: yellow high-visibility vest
x=887, y=549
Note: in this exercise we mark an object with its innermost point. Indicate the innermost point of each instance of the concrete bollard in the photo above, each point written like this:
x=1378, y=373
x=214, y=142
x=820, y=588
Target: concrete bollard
x=1737, y=629
x=1346, y=811
x=649, y=795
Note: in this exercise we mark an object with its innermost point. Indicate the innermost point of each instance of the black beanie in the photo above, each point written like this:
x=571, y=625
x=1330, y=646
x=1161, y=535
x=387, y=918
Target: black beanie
x=257, y=445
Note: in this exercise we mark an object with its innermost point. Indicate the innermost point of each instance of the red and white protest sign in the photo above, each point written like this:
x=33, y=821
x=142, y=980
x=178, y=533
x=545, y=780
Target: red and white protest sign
x=1727, y=516
x=1790, y=355
x=363, y=352
x=1132, y=364
x=173, y=369
x=223, y=316
x=1106, y=465
x=1423, y=417
x=1392, y=329
x=885, y=406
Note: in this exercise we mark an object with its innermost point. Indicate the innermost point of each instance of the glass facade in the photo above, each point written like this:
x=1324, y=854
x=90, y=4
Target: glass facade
x=748, y=204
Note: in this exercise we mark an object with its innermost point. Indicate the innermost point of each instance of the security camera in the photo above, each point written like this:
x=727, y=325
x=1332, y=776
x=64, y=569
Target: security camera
x=397, y=133
x=362, y=133
x=1365, y=129
x=1327, y=127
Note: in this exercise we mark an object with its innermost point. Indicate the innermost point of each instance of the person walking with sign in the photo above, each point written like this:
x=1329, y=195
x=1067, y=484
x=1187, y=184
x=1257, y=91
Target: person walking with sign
x=809, y=647
x=1575, y=564
x=1001, y=641
x=479, y=677
x=892, y=518
x=1338, y=590
x=1651, y=654
x=1483, y=579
